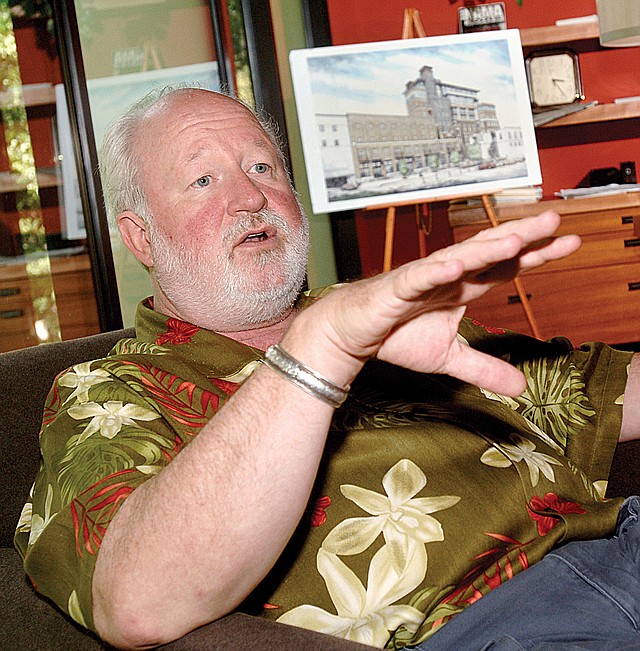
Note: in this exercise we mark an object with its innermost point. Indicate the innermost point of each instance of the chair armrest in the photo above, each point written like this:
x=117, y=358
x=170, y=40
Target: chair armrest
x=624, y=479
x=239, y=631
x=28, y=621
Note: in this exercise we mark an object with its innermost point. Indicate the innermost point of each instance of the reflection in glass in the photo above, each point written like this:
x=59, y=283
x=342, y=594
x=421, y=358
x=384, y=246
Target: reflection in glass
x=22, y=182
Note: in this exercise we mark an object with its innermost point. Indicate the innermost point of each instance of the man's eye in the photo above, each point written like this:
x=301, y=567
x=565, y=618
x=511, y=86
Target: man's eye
x=202, y=182
x=261, y=168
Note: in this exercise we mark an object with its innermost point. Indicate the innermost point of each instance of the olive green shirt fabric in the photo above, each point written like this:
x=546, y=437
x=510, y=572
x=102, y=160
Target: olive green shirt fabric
x=430, y=494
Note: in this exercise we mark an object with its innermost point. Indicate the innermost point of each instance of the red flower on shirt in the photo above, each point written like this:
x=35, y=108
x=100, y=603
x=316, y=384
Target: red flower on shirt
x=489, y=329
x=228, y=387
x=319, y=515
x=178, y=332
x=545, y=511
x=93, y=510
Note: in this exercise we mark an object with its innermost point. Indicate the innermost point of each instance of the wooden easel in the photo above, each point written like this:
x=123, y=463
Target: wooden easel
x=151, y=56
x=412, y=25
x=411, y=28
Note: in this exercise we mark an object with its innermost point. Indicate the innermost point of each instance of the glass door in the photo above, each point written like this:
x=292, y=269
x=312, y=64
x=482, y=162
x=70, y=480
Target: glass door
x=63, y=270
x=46, y=283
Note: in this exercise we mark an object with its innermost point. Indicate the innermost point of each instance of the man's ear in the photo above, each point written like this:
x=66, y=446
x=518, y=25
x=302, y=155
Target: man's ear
x=133, y=230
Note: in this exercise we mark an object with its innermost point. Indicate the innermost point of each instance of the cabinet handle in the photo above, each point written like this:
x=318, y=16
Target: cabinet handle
x=11, y=314
x=627, y=220
x=633, y=286
x=633, y=242
x=9, y=291
x=514, y=299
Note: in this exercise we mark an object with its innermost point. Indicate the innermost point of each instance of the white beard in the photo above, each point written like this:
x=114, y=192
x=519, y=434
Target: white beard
x=218, y=293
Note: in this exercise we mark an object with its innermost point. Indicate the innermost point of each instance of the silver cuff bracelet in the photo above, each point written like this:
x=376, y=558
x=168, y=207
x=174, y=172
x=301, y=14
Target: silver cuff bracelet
x=305, y=378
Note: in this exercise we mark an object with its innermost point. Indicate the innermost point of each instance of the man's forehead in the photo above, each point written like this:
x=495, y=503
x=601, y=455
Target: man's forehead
x=191, y=120
x=207, y=102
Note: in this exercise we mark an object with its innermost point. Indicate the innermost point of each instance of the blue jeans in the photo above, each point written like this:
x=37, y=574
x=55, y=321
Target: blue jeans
x=582, y=596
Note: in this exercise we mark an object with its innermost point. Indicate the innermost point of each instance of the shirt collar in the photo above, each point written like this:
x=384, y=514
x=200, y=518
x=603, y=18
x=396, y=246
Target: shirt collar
x=218, y=356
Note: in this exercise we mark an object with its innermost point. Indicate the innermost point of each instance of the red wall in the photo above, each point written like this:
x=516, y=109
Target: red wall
x=566, y=154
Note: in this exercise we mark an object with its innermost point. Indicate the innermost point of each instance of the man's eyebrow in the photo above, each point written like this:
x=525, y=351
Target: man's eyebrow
x=201, y=152
x=197, y=154
x=265, y=145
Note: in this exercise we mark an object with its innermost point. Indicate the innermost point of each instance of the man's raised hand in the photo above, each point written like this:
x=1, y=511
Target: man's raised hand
x=409, y=316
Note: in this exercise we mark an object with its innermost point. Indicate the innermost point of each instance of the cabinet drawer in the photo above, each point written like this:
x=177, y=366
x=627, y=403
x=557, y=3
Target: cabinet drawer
x=77, y=311
x=13, y=293
x=76, y=314
x=17, y=328
x=74, y=283
x=618, y=221
x=582, y=304
x=600, y=250
x=14, y=341
x=606, y=240
x=75, y=301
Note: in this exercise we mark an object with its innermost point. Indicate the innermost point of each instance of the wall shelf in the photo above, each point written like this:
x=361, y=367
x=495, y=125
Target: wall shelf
x=12, y=183
x=33, y=95
x=598, y=113
x=571, y=33
x=556, y=34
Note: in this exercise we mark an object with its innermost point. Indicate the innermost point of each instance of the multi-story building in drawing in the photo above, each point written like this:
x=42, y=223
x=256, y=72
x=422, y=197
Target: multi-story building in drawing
x=445, y=124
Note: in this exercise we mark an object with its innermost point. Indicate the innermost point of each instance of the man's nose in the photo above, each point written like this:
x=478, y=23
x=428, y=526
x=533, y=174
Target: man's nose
x=244, y=195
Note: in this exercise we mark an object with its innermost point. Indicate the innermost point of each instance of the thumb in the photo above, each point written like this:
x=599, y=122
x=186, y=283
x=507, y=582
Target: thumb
x=486, y=372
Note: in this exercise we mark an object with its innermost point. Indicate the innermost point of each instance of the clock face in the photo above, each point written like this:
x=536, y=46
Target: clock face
x=554, y=79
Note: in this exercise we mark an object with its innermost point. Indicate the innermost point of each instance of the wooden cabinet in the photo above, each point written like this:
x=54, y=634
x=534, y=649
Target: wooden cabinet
x=21, y=299
x=593, y=294
x=75, y=301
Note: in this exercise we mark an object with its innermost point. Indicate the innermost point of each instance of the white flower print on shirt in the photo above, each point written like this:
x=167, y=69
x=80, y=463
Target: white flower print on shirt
x=81, y=378
x=363, y=615
x=109, y=417
x=403, y=519
x=521, y=449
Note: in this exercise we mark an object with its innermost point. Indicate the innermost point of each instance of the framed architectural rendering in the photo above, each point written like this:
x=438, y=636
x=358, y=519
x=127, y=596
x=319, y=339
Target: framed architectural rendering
x=414, y=119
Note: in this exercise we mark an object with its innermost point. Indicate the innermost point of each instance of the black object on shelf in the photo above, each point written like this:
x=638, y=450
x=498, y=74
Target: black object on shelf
x=600, y=176
x=628, y=172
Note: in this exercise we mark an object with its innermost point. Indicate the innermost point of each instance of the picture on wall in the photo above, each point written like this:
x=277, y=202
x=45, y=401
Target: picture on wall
x=414, y=119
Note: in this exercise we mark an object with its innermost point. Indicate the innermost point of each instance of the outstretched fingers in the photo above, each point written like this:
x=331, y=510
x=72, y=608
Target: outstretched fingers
x=530, y=229
x=496, y=254
x=547, y=250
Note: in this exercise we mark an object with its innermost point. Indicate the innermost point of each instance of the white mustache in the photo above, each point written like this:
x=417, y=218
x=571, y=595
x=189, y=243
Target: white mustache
x=248, y=222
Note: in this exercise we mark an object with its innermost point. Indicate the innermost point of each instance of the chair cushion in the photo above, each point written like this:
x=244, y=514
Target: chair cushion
x=624, y=479
x=25, y=379
x=29, y=622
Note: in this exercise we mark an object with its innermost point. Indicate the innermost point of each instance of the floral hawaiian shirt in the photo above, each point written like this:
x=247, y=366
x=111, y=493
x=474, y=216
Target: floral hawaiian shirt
x=430, y=494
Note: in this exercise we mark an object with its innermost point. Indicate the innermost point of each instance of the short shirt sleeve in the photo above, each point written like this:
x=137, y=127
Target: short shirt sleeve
x=574, y=394
x=108, y=426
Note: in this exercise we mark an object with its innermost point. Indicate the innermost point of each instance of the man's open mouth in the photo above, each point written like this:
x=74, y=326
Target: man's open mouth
x=257, y=235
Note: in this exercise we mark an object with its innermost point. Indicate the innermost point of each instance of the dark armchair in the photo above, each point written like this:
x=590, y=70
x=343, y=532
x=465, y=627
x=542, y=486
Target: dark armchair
x=28, y=622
